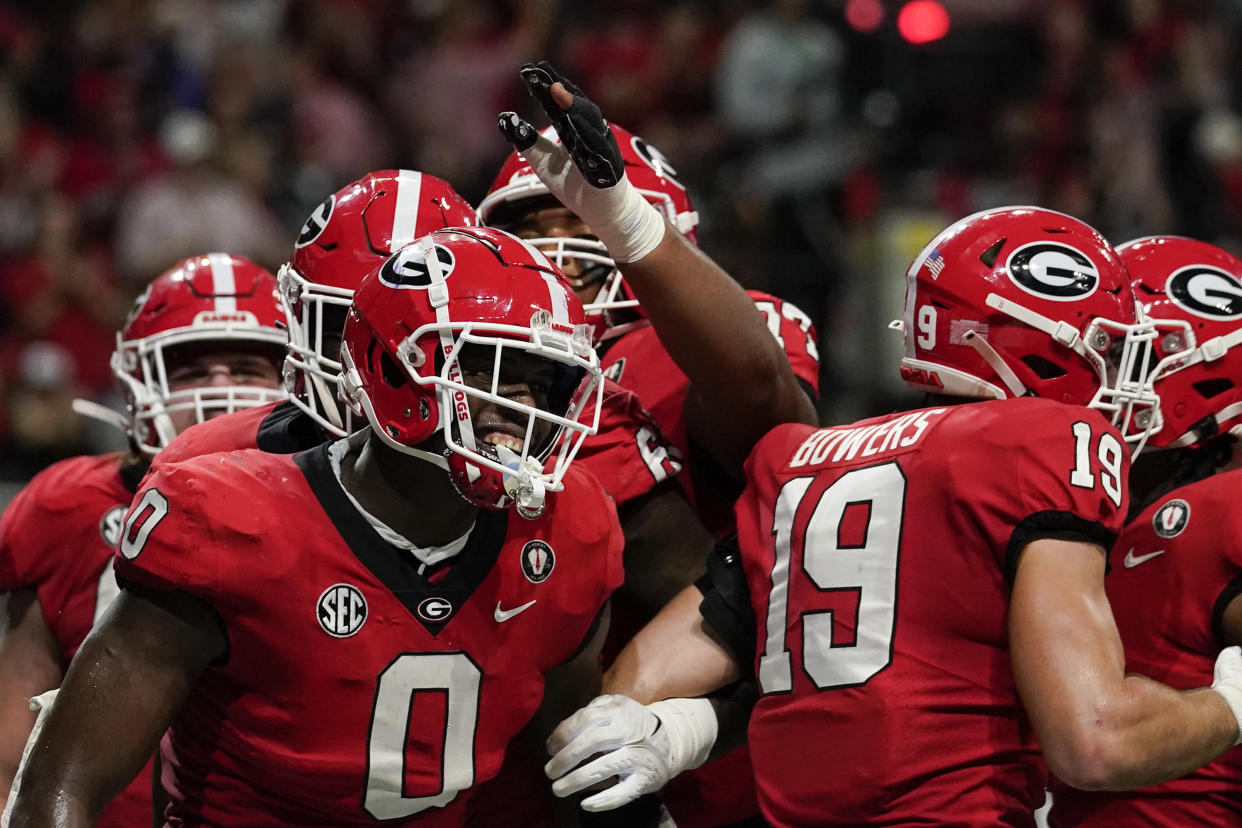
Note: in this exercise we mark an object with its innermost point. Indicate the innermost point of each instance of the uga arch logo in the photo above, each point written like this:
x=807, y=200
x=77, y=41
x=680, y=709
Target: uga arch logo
x=410, y=269
x=1206, y=291
x=1051, y=270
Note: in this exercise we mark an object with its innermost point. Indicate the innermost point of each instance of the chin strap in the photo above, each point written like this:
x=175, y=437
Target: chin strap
x=524, y=482
x=980, y=343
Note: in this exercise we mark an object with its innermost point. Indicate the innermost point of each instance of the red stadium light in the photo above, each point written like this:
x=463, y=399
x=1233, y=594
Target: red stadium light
x=864, y=15
x=922, y=21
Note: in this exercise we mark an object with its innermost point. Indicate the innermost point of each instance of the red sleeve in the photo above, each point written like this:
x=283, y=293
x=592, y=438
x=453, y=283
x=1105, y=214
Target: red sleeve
x=796, y=333
x=1056, y=471
x=15, y=537
x=168, y=541
x=629, y=455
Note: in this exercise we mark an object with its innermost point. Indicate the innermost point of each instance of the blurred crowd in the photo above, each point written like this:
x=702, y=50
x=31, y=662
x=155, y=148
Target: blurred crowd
x=821, y=151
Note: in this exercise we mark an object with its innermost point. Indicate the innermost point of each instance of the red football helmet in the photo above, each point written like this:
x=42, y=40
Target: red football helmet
x=484, y=293
x=347, y=236
x=651, y=174
x=1192, y=290
x=216, y=299
x=1021, y=301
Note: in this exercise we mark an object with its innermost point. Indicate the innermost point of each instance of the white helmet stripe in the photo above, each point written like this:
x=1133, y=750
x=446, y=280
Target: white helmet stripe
x=559, y=297
x=224, y=286
x=405, y=214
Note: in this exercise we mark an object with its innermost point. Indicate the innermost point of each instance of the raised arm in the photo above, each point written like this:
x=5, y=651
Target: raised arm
x=1099, y=728
x=119, y=695
x=740, y=378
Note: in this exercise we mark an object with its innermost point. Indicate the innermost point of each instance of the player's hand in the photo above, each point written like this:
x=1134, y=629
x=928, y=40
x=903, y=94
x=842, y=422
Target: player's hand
x=584, y=170
x=643, y=747
x=1227, y=680
x=581, y=126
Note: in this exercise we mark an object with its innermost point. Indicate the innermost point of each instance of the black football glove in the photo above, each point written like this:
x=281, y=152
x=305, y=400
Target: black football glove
x=582, y=129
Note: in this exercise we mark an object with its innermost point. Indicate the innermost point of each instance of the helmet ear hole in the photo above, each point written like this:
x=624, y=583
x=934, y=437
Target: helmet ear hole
x=1212, y=387
x=1044, y=369
x=988, y=257
x=393, y=376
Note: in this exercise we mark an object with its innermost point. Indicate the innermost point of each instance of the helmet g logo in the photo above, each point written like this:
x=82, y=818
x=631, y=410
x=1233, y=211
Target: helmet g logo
x=657, y=161
x=316, y=222
x=1206, y=291
x=409, y=268
x=1051, y=270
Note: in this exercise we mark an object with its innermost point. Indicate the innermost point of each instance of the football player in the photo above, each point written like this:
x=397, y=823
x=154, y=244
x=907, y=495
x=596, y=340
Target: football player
x=921, y=596
x=204, y=340
x=715, y=365
x=1175, y=591
x=351, y=233
x=361, y=628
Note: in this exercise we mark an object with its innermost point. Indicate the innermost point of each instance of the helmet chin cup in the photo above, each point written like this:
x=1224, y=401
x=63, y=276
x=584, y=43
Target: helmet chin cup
x=523, y=482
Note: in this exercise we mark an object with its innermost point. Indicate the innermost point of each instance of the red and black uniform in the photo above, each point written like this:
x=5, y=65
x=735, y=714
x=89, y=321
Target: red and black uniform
x=628, y=455
x=871, y=587
x=56, y=538
x=721, y=791
x=277, y=428
x=637, y=361
x=1182, y=567
x=355, y=689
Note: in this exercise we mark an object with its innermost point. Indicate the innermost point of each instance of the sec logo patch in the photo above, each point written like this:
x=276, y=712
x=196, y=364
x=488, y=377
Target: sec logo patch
x=341, y=610
x=537, y=561
x=1171, y=518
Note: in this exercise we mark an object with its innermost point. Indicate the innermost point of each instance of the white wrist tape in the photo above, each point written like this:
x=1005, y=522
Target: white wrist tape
x=1228, y=683
x=619, y=216
x=691, y=730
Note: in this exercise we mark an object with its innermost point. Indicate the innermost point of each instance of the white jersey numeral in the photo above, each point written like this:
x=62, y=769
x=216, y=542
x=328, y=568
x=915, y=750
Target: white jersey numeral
x=453, y=674
x=143, y=518
x=1108, y=453
x=870, y=568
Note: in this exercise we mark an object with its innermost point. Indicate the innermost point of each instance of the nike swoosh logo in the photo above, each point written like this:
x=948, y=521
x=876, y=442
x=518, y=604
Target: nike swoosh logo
x=503, y=615
x=1133, y=560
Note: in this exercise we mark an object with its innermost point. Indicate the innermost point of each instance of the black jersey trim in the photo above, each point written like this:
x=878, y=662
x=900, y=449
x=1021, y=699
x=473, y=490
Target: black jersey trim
x=1232, y=590
x=726, y=603
x=287, y=429
x=1057, y=526
x=131, y=473
x=397, y=569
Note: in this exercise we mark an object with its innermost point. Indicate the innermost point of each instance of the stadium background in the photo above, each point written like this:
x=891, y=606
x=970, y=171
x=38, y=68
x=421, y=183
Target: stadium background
x=822, y=142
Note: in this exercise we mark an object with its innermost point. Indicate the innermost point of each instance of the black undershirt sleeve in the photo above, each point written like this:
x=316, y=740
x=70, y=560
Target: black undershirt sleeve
x=726, y=603
x=1058, y=526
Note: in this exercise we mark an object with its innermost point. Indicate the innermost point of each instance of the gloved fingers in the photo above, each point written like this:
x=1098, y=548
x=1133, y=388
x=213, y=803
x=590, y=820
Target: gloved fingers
x=622, y=793
x=581, y=126
x=517, y=130
x=617, y=763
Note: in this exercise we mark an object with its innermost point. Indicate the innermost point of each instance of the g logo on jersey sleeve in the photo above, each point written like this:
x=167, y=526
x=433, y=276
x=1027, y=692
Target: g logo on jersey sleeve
x=341, y=610
x=1051, y=270
x=1206, y=291
x=408, y=268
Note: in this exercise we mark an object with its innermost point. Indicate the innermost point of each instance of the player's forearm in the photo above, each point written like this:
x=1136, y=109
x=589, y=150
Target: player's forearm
x=712, y=330
x=47, y=801
x=674, y=656
x=1147, y=733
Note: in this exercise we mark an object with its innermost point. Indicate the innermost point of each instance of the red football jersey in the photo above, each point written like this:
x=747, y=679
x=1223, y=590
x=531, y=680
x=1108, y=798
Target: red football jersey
x=720, y=792
x=1183, y=559
x=878, y=559
x=637, y=361
x=356, y=690
x=56, y=538
x=628, y=454
x=277, y=428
